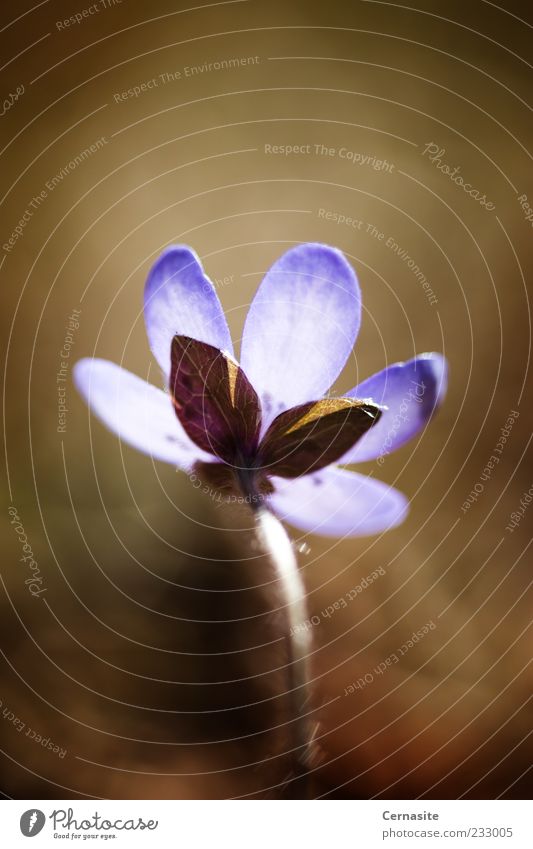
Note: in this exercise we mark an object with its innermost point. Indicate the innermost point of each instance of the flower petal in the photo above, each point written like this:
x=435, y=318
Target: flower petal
x=138, y=412
x=180, y=299
x=337, y=502
x=412, y=391
x=301, y=327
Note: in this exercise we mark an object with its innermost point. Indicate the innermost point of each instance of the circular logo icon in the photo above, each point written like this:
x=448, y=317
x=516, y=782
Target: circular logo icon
x=32, y=822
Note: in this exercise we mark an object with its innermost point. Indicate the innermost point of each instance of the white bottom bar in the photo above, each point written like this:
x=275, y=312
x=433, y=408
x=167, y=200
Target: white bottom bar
x=267, y=824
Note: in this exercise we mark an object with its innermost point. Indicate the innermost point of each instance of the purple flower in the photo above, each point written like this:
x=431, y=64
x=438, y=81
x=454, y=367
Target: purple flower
x=265, y=428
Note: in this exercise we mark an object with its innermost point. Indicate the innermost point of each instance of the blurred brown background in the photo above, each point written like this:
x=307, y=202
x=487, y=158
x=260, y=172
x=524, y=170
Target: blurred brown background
x=152, y=661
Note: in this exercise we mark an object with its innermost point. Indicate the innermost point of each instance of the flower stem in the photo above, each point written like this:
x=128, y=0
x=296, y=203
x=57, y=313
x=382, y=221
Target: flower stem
x=277, y=544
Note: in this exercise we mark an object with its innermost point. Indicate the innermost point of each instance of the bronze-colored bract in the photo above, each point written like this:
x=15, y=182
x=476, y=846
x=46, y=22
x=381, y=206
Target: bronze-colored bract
x=214, y=401
x=311, y=436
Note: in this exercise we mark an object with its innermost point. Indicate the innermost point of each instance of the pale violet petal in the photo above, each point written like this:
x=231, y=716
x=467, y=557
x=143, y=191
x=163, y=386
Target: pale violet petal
x=301, y=327
x=139, y=413
x=411, y=391
x=338, y=502
x=180, y=299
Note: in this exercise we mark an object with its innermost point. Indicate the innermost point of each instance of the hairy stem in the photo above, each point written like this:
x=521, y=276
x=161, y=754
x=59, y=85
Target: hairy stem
x=277, y=544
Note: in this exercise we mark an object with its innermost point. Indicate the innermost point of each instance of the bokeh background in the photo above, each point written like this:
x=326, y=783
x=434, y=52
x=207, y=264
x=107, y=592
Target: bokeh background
x=152, y=661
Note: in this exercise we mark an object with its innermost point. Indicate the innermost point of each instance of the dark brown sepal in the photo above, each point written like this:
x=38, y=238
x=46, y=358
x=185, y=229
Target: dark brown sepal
x=311, y=436
x=214, y=400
